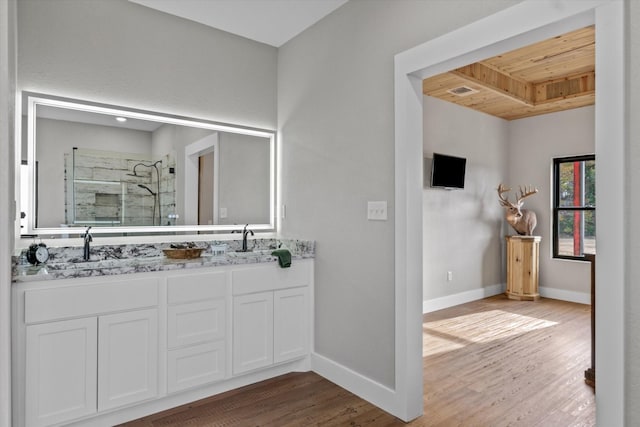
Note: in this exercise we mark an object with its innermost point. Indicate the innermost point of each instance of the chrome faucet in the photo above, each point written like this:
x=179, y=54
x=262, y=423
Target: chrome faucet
x=245, y=233
x=87, y=240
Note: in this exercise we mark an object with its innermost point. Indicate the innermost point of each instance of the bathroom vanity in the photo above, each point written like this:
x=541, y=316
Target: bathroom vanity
x=104, y=345
x=104, y=335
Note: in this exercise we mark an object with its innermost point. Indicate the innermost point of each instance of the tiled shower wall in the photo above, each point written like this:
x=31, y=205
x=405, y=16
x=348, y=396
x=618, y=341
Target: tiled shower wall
x=100, y=191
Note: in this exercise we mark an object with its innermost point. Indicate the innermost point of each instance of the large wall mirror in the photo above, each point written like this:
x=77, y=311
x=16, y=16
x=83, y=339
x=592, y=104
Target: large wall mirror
x=121, y=170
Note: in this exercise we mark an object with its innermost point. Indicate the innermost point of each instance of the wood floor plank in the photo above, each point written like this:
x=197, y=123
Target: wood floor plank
x=494, y=362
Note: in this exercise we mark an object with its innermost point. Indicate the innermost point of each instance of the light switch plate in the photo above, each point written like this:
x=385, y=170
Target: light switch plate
x=377, y=211
x=223, y=212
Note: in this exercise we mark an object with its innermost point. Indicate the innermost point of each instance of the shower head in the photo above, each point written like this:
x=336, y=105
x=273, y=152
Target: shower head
x=147, y=188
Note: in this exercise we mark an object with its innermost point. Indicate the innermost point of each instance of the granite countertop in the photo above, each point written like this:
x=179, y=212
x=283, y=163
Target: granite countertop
x=67, y=263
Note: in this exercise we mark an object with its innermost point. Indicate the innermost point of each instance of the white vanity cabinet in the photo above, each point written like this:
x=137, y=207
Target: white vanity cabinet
x=271, y=315
x=104, y=350
x=196, y=329
x=88, y=348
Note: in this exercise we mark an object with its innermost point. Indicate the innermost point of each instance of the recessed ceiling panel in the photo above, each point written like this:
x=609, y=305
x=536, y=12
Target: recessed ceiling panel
x=553, y=75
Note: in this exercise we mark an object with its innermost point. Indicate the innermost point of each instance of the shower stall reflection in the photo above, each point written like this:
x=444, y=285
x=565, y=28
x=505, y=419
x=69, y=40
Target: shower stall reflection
x=156, y=195
x=106, y=188
x=155, y=201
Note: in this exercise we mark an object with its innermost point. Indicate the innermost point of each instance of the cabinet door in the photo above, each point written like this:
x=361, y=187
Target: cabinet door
x=515, y=266
x=128, y=358
x=61, y=371
x=252, y=331
x=290, y=324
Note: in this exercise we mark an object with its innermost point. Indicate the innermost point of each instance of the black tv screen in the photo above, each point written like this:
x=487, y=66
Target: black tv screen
x=447, y=171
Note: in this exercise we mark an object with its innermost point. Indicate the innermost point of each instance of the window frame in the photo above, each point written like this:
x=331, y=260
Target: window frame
x=556, y=208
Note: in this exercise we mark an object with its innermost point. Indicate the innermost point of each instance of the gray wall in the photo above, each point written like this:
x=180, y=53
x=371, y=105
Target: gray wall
x=244, y=179
x=632, y=300
x=243, y=171
x=335, y=115
x=173, y=139
x=57, y=138
x=118, y=52
x=534, y=142
x=463, y=228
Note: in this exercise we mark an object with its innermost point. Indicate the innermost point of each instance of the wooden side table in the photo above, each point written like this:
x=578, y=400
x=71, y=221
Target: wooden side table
x=523, y=253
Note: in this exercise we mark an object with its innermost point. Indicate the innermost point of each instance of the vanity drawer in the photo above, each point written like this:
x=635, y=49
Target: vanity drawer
x=270, y=277
x=196, y=287
x=196, y=322
x=89, y=299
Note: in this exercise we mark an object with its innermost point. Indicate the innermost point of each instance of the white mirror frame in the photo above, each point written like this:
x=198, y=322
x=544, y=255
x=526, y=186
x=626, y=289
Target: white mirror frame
x=33, y=99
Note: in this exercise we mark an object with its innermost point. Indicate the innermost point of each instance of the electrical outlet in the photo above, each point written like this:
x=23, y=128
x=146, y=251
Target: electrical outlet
x=449, y=276
x=377, y=211
x=223, y=212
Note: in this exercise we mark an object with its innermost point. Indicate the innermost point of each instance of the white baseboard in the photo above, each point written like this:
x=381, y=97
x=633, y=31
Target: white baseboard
x=379, y=395
x=476, y=294
x=460, y=298
x=561, y=294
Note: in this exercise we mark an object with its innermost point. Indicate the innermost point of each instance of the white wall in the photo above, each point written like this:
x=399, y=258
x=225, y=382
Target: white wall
x=533, y=143
x=335, y=115
x=463, y=228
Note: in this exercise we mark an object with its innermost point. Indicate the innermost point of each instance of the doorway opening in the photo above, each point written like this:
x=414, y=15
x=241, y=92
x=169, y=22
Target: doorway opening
x=206, y=185
x=201, y=180
x=517, y=26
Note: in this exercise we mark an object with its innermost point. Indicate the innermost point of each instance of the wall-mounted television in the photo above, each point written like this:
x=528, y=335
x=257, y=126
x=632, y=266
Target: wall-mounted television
x=448, y=171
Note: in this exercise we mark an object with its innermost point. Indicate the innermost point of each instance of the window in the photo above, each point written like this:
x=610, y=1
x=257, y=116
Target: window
x=574, y=207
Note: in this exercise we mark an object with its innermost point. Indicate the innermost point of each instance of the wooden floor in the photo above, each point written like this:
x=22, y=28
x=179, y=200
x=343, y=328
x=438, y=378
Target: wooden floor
x=492, y=362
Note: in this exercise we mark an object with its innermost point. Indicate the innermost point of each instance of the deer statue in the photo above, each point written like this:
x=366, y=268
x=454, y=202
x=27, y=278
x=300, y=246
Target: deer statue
x=522, y=220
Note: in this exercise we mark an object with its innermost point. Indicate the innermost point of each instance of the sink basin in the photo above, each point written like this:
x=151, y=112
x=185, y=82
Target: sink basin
x=249, y=253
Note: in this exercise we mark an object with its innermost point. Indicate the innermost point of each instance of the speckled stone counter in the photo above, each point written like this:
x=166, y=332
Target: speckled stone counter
x=67, y=262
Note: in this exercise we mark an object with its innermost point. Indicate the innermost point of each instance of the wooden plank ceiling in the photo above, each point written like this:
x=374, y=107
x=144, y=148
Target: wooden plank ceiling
x=553, y=75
